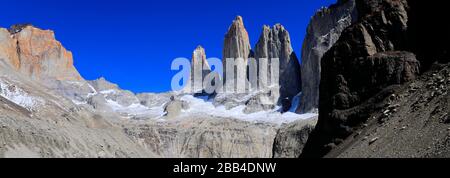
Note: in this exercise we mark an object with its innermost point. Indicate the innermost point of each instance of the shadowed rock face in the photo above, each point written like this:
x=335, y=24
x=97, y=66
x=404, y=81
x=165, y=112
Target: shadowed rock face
x=291, y=138
x=367, y=66
x=236, y=45
x=276, y=43
x=428, y=37
x=366, y=59
x=323, y=31
x=36, y=53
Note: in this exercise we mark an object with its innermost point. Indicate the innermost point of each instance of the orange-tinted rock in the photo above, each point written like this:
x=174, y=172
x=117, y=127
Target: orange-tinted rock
x=237, y=46
x=41, y=56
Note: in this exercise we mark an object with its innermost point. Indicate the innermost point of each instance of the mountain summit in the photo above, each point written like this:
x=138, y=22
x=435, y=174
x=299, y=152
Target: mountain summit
x=36, y=53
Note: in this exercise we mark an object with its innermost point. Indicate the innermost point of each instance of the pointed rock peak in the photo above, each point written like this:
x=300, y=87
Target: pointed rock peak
x=275, y=43
x=237, y=25
x=238, y=19
x=276, y=29
x=199, y=69
x=275, y=33
x=199, y=50
x=199, y=55
x=237, y=43
x=279, y=27
x=236, y=46
x=199, y=47
x=266, y=28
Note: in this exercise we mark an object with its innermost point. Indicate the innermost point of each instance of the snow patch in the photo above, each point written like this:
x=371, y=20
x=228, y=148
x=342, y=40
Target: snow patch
x=18, y=96
x=136, y=110
x=107, y=92
x=75, y=83
x=200, y=106
x=94, y=91
x=76, y=102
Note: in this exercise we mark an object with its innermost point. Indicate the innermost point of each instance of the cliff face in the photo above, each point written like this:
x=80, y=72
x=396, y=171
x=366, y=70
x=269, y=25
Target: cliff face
x=236, y=43
x=8, y=49
x=361, y=70
x=273, y=42
x=237, y=47
x=199, y=70
x=291, y=138
x=276, y=43
x=204, y=137
x=323, y=31
x=48, y=110
x=36, y=53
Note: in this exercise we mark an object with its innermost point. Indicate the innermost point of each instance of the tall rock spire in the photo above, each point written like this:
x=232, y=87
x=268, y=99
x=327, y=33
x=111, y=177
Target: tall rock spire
x=199, y=69
x=237, y=46
x=276, y=43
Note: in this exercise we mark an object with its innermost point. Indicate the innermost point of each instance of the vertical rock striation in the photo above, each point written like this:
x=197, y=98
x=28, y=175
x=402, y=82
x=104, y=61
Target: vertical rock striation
x=236, y=46
x=370, y=56
x=323, y=31
x=199, y=70
x=36, y=53
x=276, y=43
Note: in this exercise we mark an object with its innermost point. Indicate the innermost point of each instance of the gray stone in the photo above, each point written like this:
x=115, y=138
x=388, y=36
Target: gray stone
x=276, y=43
x=323, y=31
x=199, y=70
x=236, y=46
x=291, y=138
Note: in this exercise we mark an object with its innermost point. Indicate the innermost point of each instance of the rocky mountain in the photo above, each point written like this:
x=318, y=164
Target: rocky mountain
x=37, y=122
x=273, y=43
x=373, y=98
x=199, y=70
x=48, y=110
x=323, y=31
x=276, y=43
x=36, y=53
x=237, y=47
x=382, y=65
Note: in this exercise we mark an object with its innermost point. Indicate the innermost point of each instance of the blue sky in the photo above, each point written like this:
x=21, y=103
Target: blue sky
x=133, y=42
